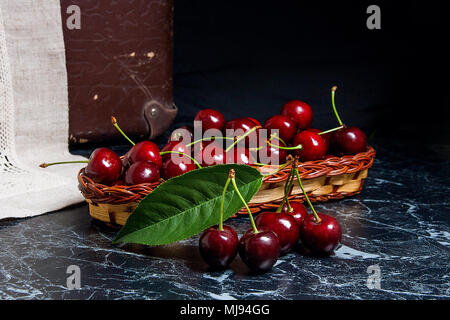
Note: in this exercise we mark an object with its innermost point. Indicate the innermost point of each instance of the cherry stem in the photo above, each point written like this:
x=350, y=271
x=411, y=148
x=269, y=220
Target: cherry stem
x=114, y=122
x=286, y=148
x=208, y=139
x=242, y=137
x=333, y=93
x=178, y=152
x=287, y=191
x=45, y=165
x=272, y=136
x=316, y=216
x=223, y=200
x=233, y=181
x=279, y=167
x=331, y=130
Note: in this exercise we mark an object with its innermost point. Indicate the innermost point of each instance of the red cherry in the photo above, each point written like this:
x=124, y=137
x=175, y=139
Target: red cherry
x=254, y=121
x=237, y=127
x=211, y=155
x=145, y=151
x=322, y=237
x=300, y=112
x=119, y=182
x=104, y=166
x=349, y=141
x=126, y=161
x=141, y=172
x=184, y=133
x=326, y=137
x=259, y=251
x=210, y=119
x=314, y=148
x=299, y=212
x=244, y=124
x=285, y=126
x=239, y=155
x=218, y=248
x=177, y=166
x=272, y=155
x=174, y=146
x=284, y=226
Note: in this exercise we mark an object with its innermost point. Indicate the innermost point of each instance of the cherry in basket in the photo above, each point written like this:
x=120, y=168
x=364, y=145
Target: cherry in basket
x=210, y=119
x=104, y=166
x=176, y=166
x=313, y=146
x=349, y=140
x=286, y=127
x=271, y=153
x=142, y=172
x=142, y=151
x=300, y=112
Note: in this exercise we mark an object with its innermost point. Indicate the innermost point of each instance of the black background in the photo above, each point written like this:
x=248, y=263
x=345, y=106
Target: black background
x=247, y=58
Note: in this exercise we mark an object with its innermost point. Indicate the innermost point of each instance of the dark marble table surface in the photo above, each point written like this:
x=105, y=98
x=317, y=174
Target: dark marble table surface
x=399, y=224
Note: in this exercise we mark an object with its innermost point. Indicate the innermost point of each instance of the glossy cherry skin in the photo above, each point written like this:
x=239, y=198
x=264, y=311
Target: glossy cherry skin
x=176, y=146
x=244, y=124
x=237, y=127
x=314, y=147
x=349, y=141
x=269, y=154
x=321, y=237
x=299, y=212
x=184, y=133
x=218, y=248
x=259, y=251
x=126, y=161
x=145, y=151
x=210, y=119
x=104, y=166
x=177, y=166
x=119, y=182
x=142, y=172
x=326, y=137
x=284, y=226
x=300, y=112
x=287, y=128
x=239, y=155
x=254, y=121
x=211, y=154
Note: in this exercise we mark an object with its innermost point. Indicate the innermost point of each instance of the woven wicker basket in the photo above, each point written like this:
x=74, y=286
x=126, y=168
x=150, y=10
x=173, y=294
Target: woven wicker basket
x=329, y=179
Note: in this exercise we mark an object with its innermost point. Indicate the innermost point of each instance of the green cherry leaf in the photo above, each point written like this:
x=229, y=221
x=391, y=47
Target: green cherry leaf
x=186, y=205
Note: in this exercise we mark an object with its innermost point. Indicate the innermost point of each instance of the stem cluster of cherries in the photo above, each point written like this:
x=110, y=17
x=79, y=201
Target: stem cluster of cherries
x=272, y=233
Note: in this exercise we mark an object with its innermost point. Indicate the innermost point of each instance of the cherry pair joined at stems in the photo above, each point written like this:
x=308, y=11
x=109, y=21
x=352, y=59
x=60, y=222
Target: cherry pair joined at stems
x=258, y=249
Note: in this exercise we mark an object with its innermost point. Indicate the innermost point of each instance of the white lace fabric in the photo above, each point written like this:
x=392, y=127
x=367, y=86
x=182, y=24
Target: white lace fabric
x=34, y=111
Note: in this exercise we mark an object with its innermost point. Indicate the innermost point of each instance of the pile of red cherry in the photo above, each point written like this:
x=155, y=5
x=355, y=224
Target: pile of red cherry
x=145, y=163
x=279, y=231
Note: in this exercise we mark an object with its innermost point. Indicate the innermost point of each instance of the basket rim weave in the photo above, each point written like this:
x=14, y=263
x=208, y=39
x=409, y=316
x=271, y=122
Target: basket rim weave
x=329, y=167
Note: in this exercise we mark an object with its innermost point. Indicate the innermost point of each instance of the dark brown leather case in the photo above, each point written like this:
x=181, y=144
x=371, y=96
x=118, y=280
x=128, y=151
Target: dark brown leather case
x=119, y=63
